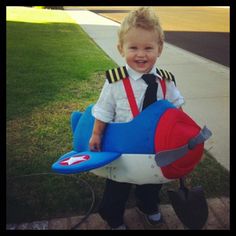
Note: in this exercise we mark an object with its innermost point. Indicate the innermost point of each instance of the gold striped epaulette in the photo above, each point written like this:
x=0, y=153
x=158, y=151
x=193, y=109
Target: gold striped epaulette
x=166, y=75
x=116, y=74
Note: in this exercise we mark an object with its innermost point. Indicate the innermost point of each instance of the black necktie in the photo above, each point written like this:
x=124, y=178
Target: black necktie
x=151, y=91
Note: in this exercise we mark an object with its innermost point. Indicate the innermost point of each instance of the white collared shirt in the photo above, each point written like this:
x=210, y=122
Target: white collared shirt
x=113, y=105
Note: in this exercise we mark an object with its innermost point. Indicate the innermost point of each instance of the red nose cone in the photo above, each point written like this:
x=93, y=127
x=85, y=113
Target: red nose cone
x=174, y=130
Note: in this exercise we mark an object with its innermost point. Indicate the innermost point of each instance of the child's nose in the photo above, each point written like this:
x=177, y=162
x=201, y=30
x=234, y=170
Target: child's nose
x=140, y=53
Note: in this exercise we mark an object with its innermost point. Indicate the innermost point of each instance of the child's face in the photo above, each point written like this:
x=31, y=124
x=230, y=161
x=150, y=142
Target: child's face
x=140, y=49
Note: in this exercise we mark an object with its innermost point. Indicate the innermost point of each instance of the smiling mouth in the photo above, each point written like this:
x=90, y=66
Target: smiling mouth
x=141, y=62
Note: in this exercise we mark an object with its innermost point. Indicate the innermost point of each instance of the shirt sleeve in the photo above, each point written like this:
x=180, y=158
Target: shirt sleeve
x=173, y=95
x=104, y=109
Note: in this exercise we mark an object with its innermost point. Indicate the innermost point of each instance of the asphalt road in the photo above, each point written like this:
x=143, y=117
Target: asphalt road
x=211, y=45
x=204, y=42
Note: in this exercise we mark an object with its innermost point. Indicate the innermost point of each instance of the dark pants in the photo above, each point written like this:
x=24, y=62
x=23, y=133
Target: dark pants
x=116, y=195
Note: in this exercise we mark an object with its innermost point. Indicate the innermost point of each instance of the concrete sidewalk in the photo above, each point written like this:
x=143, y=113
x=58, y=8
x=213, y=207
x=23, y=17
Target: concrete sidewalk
x=203, y=83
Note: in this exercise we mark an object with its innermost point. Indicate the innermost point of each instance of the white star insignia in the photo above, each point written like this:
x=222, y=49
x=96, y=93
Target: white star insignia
x=72, y=160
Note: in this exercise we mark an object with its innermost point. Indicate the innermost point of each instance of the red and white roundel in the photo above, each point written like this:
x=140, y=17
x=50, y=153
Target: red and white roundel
x=74, y=160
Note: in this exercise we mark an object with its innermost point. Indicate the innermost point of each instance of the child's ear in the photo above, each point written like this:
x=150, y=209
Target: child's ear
x=120, y=49
x=160, y=49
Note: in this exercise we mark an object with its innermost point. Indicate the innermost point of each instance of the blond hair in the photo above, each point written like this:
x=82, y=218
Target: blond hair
x=143, y=17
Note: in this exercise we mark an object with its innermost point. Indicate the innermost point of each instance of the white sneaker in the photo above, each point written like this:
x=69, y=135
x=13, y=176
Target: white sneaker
x=121, y=227
x=153, y=219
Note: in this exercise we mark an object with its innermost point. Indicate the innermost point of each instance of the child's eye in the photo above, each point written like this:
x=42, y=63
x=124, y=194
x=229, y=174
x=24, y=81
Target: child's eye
x=133, y=48
x=149, y=48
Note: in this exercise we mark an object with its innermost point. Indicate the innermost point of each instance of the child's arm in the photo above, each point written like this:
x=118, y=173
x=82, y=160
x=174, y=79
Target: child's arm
x=96, y=138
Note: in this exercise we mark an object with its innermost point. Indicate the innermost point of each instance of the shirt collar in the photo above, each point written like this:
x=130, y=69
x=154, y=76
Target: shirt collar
x=136, y=75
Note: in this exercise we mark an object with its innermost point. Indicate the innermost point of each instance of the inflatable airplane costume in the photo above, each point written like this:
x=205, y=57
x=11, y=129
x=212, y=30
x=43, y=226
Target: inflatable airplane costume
x=160, y=144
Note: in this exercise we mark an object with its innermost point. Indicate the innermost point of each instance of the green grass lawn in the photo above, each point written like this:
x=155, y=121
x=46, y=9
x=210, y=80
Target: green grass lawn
x=54, y=68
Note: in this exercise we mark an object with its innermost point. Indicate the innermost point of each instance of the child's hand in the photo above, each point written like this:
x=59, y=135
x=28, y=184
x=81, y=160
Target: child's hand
x=96, y=138
x=95, y=143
